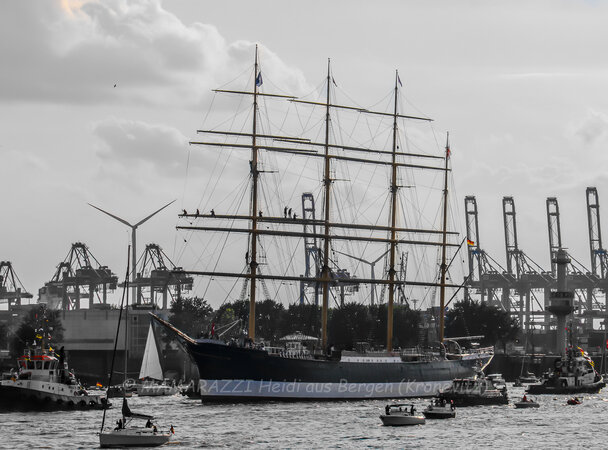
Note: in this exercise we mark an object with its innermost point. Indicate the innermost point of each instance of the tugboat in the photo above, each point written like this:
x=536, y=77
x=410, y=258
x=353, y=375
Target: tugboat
x=44, y=381
x=572, y=374
x=574, y=371
x=477, y=390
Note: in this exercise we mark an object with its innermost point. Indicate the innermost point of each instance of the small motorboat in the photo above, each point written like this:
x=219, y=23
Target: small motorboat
x=574, y=401
x=400, y=415
x=439, y=409
x=526, y=402
x=528, y=378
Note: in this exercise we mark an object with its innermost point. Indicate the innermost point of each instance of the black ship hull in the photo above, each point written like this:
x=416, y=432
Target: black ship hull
x=231, y=373
x=547, y=388
x=21, y=399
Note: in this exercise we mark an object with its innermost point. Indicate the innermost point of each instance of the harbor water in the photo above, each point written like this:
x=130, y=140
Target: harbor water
x=352, y=424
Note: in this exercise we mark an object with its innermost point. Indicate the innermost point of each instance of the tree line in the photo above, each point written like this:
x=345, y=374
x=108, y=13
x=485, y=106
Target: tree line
x=347, y=325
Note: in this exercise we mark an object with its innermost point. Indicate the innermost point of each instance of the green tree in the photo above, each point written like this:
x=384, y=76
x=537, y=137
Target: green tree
x=303, y=318
x=405, y=325
x=191, y=315
x=269, y=317
x=469, y=318
x=40, y=326
x=348, y=325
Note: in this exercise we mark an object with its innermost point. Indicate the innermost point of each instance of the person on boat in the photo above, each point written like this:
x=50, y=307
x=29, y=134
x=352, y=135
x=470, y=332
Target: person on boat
x=149, y=424
x=412, y=410
x=452, y=407
x=172, y=429
x=154, y=429
x=387, y=410
x=524, y=399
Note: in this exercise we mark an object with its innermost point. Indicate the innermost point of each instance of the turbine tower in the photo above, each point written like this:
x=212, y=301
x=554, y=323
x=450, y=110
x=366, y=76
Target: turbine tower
x=133, y=242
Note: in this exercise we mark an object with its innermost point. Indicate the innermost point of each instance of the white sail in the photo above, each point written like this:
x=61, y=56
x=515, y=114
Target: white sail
x=150, y=365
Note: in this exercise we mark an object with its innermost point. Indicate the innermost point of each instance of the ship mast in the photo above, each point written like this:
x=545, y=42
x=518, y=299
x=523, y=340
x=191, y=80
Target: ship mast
x=444, y=267
x=253, y=264
x=327, y=183
x=393, y=219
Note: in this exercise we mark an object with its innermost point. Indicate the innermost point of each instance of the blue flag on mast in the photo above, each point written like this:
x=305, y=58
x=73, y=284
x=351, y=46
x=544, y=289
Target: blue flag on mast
x=258, y=79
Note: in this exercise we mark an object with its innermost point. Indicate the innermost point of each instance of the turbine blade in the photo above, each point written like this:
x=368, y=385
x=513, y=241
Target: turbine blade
x=112, y=215
x=154, y=213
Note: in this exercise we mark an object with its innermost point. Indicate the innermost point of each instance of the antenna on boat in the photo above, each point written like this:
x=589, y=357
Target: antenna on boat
x=444, y=267
x=133, y=240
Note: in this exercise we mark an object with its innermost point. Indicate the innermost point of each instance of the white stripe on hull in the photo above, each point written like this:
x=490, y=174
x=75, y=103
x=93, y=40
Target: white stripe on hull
x=308, y=390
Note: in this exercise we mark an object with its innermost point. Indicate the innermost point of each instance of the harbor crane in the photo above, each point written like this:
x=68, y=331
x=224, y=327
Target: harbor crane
x=11, y=288
x=156, y=274
x=485, y=274
x=527, y=273
x=78, y=276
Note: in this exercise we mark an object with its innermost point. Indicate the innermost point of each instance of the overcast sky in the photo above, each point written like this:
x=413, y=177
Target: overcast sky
x=520, y=85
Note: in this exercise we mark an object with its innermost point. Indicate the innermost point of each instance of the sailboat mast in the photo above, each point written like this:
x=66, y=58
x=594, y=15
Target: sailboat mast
x=253, y=264
x=444, y=267
x=393, y=243
x=327, y=183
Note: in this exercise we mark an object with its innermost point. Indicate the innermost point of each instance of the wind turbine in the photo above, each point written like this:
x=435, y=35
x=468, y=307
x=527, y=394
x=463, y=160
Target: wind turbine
x=372, y=264
x=133, y=241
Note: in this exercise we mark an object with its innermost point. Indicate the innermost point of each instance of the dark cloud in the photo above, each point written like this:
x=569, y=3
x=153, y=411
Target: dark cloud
x=133, y=143
x=74, y=52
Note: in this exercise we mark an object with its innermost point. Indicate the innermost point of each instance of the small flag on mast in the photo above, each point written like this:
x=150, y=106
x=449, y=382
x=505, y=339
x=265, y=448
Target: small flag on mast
x=470, y=242
x=399, y=80
x=334, y=81
x=258, y=79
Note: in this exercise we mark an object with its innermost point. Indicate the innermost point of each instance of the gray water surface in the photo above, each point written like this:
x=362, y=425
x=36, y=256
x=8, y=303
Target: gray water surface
x=353, y=424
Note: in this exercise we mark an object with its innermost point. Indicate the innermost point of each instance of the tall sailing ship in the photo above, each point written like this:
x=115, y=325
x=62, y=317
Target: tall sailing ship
x=230, y=371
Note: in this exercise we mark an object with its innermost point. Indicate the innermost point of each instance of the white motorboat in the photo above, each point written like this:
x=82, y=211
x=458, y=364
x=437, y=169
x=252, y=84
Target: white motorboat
x=400, y=415
x=440, y=410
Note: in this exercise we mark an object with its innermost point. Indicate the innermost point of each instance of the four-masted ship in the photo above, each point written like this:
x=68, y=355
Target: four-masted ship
x=230, y=371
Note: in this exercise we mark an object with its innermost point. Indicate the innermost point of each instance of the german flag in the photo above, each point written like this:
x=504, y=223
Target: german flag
x=470, y=242
x=99, y=385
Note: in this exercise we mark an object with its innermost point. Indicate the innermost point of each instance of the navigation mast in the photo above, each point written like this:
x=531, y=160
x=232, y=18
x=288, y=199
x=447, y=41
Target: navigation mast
x=327, y=182
x=253, y=264
x=444, y=267
x=393, y=219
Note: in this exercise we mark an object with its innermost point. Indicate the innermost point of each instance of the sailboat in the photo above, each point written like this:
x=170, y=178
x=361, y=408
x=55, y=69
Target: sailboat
x=151, y=370
x=245, y=370
x=125, y=434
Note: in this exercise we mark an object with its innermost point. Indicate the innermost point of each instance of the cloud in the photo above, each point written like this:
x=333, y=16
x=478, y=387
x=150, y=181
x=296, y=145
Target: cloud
x=592, y=127
x=75, y=51
x=136, y=143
